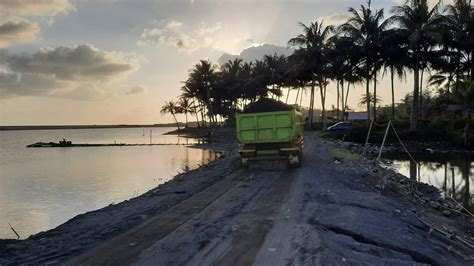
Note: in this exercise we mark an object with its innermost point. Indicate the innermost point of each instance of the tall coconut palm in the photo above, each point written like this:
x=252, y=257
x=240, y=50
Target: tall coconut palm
x=231, y=80
x=191, y=94
x=260, y=79
x=201, y=81
x=394, y=61
x=313, y=43
x=171, y=108
x=277, y=66
x=185, y=107
x=418, y=24
x=460, y=18
x=365, y=28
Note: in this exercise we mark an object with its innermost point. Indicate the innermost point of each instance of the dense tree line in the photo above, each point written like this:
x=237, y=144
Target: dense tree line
x=435, y=42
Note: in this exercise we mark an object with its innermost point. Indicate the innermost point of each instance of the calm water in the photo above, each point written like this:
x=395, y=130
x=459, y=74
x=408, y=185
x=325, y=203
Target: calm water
x=44, y=187
x=453, y=176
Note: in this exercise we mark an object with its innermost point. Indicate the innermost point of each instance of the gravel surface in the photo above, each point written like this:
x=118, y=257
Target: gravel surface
x=330, y=211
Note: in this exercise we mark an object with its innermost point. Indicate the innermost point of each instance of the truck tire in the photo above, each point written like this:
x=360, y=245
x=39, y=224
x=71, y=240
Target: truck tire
x=296, y=164
x=244, y=162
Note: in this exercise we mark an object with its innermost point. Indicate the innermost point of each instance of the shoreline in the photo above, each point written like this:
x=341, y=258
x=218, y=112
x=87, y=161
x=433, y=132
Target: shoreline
x=61, y=127
x=80, y=237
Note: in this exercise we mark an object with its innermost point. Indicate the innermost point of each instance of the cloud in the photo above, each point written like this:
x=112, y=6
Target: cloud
x=335, y=19
x=173, y=24
x=17, y=30
x=15, y=84
x=177, y=34
x=83, y=62
x=135, y=90
x=64, y=72
x=35, y=7
x=256, y=52
x=205, y=29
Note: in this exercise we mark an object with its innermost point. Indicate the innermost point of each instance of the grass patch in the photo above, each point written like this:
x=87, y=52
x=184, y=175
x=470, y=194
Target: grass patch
x=344, y=154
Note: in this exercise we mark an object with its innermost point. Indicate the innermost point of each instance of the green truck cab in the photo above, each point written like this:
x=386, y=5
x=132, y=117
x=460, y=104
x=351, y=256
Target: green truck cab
x=271, y=135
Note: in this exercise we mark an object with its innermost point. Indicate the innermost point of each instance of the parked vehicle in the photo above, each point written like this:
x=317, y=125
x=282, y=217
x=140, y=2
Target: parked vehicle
x=341, y=127
x=271, y=134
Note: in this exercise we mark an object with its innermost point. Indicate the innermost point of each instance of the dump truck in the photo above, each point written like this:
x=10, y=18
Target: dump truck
x=270, y=130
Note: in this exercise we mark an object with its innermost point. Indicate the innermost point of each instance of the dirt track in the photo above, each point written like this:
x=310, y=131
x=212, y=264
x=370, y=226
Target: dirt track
x=322, y=213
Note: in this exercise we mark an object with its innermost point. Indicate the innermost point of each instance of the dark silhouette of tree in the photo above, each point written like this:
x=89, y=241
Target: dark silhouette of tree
x=463, y=95
x=419, y=26
x=313, y=45
x=366, y=29
x=392, y=52
x=171, y=108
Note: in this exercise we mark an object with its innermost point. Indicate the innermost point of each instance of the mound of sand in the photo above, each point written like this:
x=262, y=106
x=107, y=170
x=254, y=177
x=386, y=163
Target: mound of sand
x=267, y=105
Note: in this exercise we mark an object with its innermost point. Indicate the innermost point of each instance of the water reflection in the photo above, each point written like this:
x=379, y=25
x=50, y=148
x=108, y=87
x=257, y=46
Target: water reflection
x=452, y=175
x=42, y=188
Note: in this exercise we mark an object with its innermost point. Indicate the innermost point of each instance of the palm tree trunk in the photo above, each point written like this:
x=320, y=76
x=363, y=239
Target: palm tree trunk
x=196, y=113
x=467, y=127
x=375, y=96
x=288, y=94
x=393, y=92
x=202, y=117
x=311, y=107
x=421, y=94
x=343, y=107
x=338, y=97
x=301, y=96
x=322, y=89
x=209, y=104
x=367, y=95
x=347, y=94
x=414, y=108
x=176, y=120
x=297, y=95
x=186, y=115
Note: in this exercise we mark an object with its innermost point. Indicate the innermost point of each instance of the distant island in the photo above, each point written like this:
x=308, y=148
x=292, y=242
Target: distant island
x=45, y=127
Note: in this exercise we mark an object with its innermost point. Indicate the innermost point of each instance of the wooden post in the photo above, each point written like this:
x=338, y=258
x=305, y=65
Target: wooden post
x=383, y=141
x=367, y=139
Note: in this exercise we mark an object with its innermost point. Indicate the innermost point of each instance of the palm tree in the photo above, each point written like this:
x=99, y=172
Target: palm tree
x=394, y=61
x=172, y=108
x=366, y=28
x=185, y=106
x=460, y=20
x=260, y=79
x=372, y=99
x=463, y=95
x=313, y=45
x=201, y=82
x=231, y=82
x=418, y=24
x=189, y=93
x=277, y=66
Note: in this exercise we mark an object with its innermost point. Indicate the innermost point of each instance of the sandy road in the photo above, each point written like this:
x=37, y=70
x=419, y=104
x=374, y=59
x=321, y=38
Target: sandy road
x=322, y=213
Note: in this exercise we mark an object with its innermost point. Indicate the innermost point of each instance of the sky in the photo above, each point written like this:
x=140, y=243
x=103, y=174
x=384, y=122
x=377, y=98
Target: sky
x=68, y=62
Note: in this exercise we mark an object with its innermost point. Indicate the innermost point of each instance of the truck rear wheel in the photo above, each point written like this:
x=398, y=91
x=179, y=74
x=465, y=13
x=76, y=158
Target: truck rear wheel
x=295, y=160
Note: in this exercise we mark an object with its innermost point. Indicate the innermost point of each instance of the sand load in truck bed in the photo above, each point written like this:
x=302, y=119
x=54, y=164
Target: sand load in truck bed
x=266, y=105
